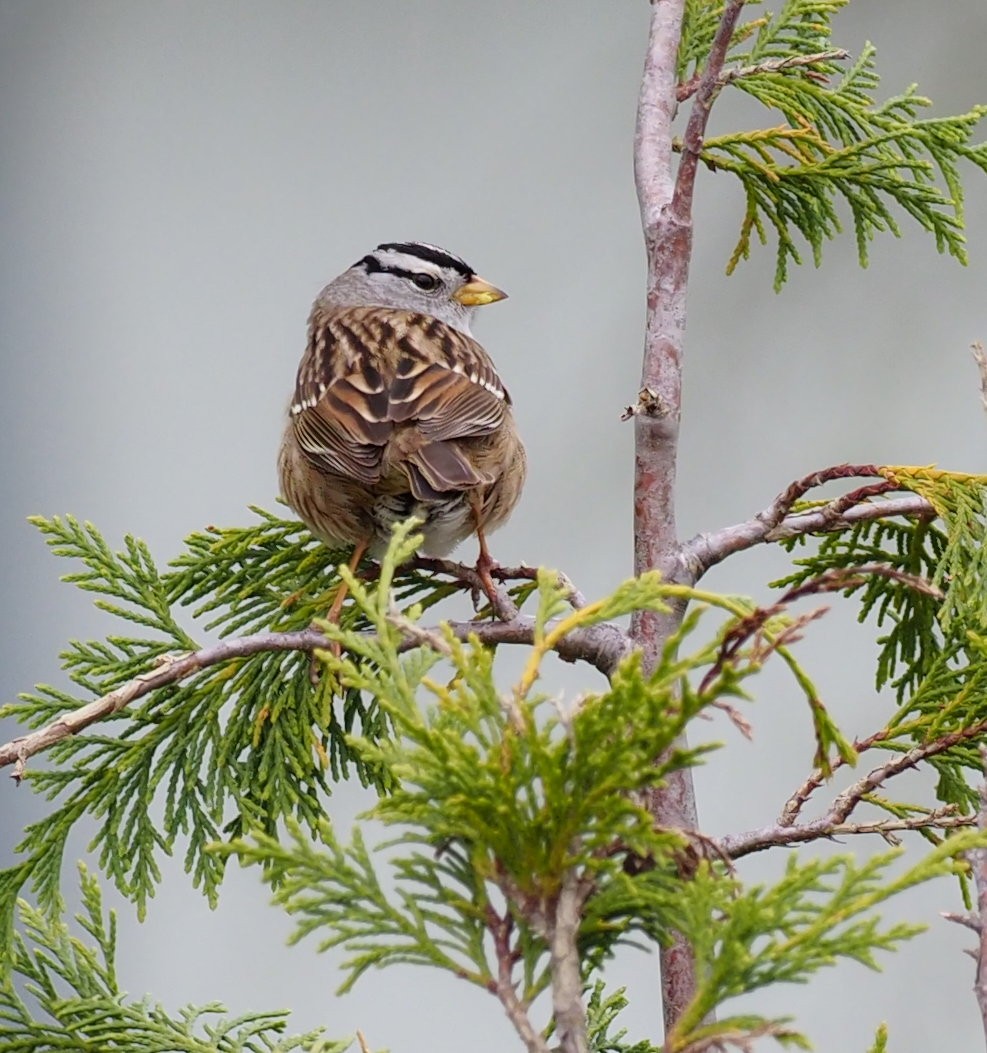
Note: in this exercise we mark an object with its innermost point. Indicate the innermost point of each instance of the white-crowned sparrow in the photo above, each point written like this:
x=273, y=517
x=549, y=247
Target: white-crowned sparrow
x=398, y=411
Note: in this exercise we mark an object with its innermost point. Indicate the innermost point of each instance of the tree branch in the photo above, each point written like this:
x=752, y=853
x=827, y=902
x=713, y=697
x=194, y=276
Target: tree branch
x=602, y=646
x=666, y=219
x=668, y=244
x=469, y=578
x=797, y=801
x=567, y=977
x=736, y=845
x=500, y=928
x=655, y=112
x=845, y=802
x=980, y=357
x=834, y=822
x=688, y=88
x=706, y=91
x=777, y=521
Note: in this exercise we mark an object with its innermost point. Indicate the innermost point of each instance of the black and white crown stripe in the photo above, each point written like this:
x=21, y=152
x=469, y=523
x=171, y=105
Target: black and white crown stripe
x=406, y=259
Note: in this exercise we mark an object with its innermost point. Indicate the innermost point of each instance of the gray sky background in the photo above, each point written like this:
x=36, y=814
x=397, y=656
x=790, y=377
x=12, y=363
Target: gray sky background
x=179, y=180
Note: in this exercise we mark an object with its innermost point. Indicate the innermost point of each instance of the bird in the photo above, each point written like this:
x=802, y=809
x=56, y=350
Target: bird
x=398, y=411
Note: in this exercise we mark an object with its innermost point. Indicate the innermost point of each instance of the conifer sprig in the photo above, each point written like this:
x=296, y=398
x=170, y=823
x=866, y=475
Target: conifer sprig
x=61, y=992
x=839, y=151
x=504, y=800
x=932, y=650
x=233, y=747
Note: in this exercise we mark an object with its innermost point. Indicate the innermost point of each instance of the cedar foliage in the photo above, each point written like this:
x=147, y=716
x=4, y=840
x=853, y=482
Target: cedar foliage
x=503, y=796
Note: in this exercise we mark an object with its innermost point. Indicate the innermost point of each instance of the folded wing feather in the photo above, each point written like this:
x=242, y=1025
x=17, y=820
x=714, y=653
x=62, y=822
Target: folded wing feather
x=408, y=382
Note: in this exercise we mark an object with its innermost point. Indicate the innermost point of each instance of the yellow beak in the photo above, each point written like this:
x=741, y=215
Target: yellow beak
x=478, y=292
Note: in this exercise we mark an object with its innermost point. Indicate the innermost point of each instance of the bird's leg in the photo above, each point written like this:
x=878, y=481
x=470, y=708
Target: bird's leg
x=336, y=609
x=343, y=591
x=485, y=562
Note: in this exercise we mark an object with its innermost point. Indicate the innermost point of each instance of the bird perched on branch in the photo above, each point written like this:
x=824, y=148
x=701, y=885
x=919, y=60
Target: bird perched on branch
x=398, y=411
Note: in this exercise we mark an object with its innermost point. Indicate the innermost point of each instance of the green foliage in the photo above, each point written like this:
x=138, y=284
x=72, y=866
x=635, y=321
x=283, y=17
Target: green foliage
x=602, y=1011
x=234, y=747
x=503, y=800
x=747, y=938
x=837, y=146
x=932, y=648
x=911, y=639
x=506, y=802
x=71, y=999
x=495, y=796
x=880, y=1040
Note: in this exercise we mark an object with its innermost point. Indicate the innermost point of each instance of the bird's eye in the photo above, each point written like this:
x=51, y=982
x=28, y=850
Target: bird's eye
x=426, y=282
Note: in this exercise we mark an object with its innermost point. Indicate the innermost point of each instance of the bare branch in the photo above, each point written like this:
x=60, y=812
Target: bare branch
x=784, y=502
x=795, y=803
x=855, y=793
x=969, y=921
x=777, y=521
x=666, y=219
x=706, y=91
x=845, y=802
x=602, y=646
x=820, y=520
x=655, y=113
x=170, y=670
x=469, y=578
x=501, y=928
x=737, y=845
x=503, y=606
x=568, y=1010
x=980, y=357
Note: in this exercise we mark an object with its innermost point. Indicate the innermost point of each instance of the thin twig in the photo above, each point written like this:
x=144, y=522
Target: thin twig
x=602, y=646
x=777, y=521
x=969, y=921
x=980, y=357
x=783, y=503
x=834, y=580
x=503, y=606
x=466, y=574
x=845, y=802
x=706, y=91
x=820, y=521
x=737, y=845
x=794, y=805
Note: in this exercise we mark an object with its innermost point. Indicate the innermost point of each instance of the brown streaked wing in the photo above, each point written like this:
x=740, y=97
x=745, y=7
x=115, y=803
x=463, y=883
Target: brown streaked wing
x=445, y=382
x=340, y=409
x=367, y=369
